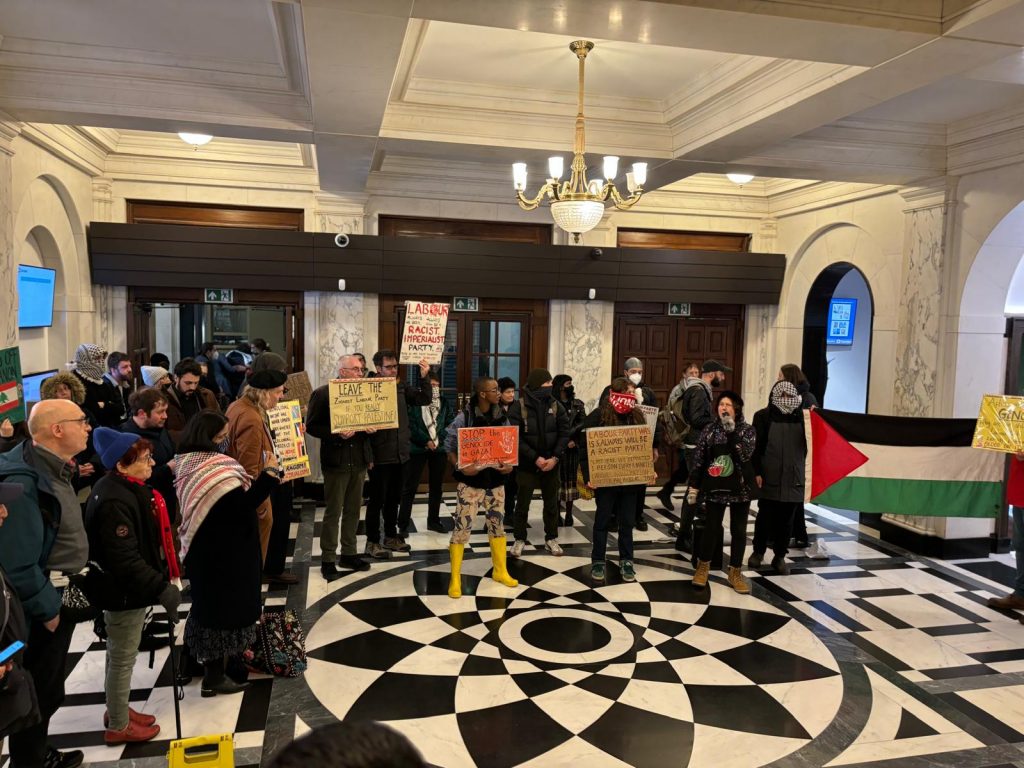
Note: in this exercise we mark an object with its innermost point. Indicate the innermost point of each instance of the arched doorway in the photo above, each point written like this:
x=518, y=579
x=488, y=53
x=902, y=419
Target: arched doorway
x=838, y=323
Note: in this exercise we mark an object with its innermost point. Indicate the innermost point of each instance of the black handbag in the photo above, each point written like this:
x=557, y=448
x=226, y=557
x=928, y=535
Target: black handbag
x=75, y=605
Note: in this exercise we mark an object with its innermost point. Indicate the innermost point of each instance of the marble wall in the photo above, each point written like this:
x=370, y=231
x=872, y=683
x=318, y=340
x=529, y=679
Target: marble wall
x=580, y=345
x=8, y=265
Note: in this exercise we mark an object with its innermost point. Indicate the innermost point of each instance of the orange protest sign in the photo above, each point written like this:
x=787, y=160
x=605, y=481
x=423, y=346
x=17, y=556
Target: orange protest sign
x=488, y=446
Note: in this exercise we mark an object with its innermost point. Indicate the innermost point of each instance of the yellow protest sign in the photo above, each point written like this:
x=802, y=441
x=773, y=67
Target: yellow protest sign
x=620, y=455
x=289, y=438
x=358, y=404
x=1000, y=424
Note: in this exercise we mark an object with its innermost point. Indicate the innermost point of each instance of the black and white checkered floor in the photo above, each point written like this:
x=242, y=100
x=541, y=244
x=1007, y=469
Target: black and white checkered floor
x=871, y=656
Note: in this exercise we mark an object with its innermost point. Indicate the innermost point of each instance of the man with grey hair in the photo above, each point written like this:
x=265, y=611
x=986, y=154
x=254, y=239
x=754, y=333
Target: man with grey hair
x=344, y=459
x=44, y=538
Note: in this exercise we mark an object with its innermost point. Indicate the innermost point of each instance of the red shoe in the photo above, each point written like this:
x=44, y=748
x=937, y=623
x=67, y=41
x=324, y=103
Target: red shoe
x=139, y=718
x=133, y=733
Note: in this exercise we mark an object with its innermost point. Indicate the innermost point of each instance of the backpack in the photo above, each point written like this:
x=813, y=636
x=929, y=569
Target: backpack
x=674, y=427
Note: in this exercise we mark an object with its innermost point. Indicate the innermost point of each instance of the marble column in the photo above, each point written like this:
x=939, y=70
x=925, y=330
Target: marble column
x=580, y=345
x=759, y=365
x=110, y=302
x=923, y=291
x=8, y=263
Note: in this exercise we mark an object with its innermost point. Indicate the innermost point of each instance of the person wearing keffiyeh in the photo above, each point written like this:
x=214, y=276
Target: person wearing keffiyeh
x=220, y=547
x=132, y=566
x=779, y=463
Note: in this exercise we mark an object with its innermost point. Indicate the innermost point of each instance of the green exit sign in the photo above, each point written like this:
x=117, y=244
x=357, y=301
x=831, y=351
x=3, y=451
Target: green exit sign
x=678, y=309
x=466, y=304
x=219, y=295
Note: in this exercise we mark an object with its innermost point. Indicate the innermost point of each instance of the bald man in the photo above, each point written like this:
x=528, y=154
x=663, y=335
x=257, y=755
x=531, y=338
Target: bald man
x=44, y=538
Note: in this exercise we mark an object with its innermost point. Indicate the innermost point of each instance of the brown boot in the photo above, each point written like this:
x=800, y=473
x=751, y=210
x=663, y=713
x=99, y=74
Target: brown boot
x=738, y=582
x=700, y=576
x=1011, y=602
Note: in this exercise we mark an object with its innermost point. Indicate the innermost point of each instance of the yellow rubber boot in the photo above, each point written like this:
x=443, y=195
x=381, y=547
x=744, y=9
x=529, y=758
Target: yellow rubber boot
x=455, y=586
x=500, y=573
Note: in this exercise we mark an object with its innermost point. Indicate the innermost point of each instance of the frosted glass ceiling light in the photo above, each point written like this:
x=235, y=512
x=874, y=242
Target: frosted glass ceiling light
x=195, y=139
x=739, y=178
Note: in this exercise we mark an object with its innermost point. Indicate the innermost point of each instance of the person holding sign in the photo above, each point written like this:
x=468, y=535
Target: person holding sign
x=428, y=428
x=619, y=409
x=724, y=475
x=478, y=487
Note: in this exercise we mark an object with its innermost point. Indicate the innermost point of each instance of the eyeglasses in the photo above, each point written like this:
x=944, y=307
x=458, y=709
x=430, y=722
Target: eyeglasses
x=356, y=368
x=83, y=421
x=490, y=391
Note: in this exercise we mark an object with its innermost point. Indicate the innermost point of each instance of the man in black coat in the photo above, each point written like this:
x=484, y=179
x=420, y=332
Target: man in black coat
x=390, y=453
x=543, y=434
x=148, y=407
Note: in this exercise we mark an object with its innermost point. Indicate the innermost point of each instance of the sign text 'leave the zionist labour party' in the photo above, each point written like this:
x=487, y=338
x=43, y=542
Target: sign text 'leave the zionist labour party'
x=423, y=333
x=620, y=455
x=358, y=404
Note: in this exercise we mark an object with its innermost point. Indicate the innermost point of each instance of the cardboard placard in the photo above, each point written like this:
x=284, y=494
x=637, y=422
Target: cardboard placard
x=357, y=404
x=650, y=413
x=289, y=439
x=1000, y=424
x=423, y=332
x=12, y=394
x=299, y=388
x=488, y=446
x=620, y=455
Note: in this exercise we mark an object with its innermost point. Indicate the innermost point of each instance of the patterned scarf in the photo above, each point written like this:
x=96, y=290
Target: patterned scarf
x=202, y=479
x=163, y=522
x=785, y=397
x=430, y=414
x=90, y=362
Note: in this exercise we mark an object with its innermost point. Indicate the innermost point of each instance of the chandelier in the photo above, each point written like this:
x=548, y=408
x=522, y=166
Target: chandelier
x=578, y=205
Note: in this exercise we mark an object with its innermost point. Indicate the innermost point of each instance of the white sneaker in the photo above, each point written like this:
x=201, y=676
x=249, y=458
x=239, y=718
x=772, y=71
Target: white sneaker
x=518, y=547
x=552, y=546
x=817, y=551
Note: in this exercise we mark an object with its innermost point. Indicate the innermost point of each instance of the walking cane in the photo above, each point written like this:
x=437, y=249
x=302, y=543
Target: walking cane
x=177, y=691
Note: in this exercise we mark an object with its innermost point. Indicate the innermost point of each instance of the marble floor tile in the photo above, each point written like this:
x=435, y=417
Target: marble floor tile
x=1007, y=703
x=916, y=611
x=917, y=649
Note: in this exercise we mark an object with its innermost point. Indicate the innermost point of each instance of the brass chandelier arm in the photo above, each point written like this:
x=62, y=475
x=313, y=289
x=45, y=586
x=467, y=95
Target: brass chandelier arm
x=528, y=204
x=624, y=203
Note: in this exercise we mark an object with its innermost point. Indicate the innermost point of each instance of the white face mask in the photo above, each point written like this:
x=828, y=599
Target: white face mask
x=636, y=378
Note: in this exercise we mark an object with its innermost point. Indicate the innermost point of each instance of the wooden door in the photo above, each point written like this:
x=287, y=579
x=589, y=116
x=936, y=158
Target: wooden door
x=653, y=341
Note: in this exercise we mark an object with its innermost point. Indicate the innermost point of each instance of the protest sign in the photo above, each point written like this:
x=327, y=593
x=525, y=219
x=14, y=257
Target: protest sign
x=357, y=404
x=299, y=388
x=488, y=446
x=423, y=332
x=12, y=395
x=620, y=455
x=650, y=413
x=289, y=439
x=1000, y=424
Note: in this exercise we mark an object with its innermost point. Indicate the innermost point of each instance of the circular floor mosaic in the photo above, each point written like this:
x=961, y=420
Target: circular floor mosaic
x=650, y=673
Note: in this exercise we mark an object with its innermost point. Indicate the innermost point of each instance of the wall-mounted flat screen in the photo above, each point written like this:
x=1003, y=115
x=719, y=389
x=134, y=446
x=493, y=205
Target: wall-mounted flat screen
x=31, y=383
x=35, y=296
x=842, y=315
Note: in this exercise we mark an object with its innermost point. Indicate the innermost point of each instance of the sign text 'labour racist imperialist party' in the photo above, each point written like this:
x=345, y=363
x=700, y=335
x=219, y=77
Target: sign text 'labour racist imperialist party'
x=488, y=446
x=620, y=455
x=358, y=404
x=423, y=333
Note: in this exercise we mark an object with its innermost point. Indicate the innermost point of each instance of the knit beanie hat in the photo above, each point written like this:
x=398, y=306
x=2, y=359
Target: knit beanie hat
x=151, y=374
x=505, y=383
x=111, y=445
x=269, y=361
x=538, y=378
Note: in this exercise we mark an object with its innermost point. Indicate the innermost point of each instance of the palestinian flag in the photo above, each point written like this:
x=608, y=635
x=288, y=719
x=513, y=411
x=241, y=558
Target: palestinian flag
x=9, y=399
x=902, y=466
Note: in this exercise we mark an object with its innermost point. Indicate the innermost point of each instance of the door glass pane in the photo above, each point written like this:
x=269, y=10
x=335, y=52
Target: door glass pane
x=484, y=334
x=509, y=365
x=483, y=365
x=509, y=337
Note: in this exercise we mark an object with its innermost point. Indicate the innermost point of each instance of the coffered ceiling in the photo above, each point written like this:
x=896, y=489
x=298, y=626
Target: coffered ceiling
x=856, y=90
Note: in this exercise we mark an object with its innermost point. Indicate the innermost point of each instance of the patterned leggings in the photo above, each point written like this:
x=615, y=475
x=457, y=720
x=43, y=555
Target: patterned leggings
x=470, y=501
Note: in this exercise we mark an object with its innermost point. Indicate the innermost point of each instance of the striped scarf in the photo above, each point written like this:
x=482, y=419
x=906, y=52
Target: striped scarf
x=202, y=479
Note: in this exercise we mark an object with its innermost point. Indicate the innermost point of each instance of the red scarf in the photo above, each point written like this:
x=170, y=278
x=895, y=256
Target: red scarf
x=163, y=522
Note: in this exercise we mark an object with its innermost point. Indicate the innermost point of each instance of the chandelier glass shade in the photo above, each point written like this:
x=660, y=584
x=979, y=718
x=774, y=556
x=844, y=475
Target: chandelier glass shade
x=577, y=205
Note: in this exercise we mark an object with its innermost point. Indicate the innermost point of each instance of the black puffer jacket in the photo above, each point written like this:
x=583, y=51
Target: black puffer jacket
x=391, y=446
x=163, y=452
x=18, y=705
x=353, y=454
x=543, y=427
x=124, y=542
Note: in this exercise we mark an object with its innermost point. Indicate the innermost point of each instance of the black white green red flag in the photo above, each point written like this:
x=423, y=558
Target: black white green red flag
x=898, y=465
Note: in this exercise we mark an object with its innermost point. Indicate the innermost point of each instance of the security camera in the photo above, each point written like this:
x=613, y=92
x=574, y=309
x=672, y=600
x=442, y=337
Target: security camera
x=341, y=240
x=596, y=253
x=341, y=281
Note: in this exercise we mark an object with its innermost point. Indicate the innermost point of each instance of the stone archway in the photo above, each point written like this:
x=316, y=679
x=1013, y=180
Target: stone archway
x=844, y=243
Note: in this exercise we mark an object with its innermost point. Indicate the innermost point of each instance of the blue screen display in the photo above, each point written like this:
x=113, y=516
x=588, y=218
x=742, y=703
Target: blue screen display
x=35, y=296
x=31, y=383
x=842, y=316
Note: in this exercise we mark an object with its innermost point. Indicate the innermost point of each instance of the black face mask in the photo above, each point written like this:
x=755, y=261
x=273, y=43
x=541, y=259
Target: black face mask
x=542, y=393
x=570, y=393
